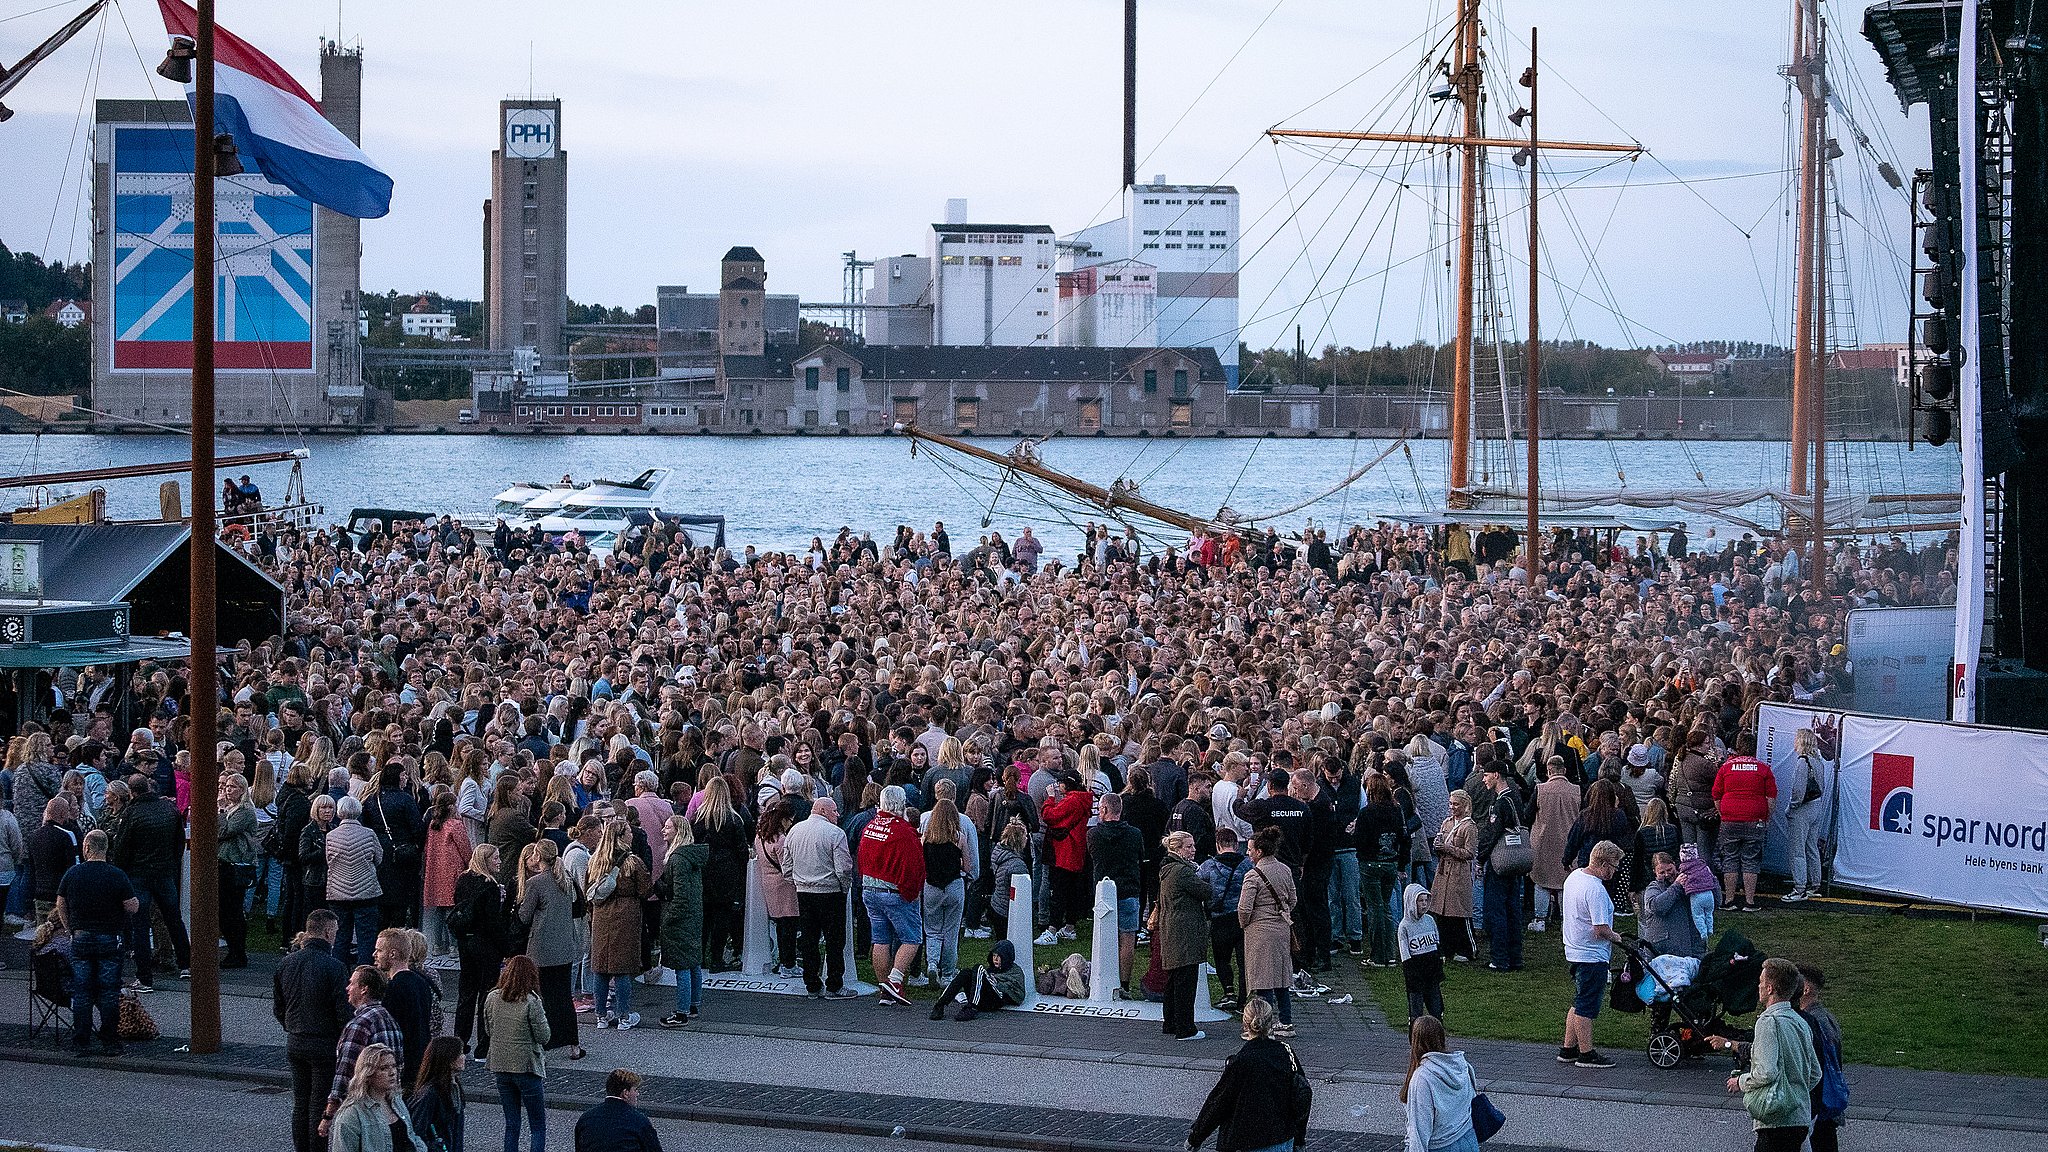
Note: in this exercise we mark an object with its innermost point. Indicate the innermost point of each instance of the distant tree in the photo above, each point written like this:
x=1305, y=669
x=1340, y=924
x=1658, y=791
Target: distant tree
x=45, y=358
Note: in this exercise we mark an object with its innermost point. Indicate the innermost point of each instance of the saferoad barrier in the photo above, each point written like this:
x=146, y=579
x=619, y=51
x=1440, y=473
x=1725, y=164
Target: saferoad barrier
x=1955, y=813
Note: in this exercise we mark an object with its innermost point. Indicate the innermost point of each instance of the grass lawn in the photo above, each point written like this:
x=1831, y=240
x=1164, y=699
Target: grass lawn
x=1910, y=991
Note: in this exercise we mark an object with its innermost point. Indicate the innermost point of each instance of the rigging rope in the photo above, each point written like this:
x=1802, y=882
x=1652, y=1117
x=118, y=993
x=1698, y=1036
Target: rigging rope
x=1341, y=486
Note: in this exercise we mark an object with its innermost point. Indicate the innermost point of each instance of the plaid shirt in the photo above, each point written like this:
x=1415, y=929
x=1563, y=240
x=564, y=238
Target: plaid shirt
x=372, y=1024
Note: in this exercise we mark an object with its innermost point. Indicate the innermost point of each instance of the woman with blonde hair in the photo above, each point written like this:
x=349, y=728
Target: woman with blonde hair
x=681, y=892
x=477, y=921
x=945, y=889
x=1258, y=1103
x=617, y=887
x=373, y=1117
x=237, y=850
x=727, y=834
x=546, y=901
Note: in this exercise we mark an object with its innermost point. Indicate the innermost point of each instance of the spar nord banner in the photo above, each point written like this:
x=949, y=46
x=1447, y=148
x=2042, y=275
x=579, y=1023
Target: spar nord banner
x=1950, y=812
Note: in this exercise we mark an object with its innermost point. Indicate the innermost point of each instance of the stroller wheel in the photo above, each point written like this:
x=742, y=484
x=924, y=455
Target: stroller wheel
x=1666, y=1050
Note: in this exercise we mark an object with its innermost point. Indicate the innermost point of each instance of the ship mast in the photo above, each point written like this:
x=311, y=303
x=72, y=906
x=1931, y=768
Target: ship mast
x=1465, y=75
x=1808, y=288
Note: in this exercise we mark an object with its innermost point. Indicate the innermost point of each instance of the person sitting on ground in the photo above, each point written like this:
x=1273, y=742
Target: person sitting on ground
x=988, y=987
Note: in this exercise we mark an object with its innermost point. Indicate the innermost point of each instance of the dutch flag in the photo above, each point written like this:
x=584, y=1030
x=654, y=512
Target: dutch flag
x=277, y=127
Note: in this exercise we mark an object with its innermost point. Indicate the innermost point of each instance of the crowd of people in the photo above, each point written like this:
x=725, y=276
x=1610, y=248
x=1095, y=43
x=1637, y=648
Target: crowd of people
x=552, y=769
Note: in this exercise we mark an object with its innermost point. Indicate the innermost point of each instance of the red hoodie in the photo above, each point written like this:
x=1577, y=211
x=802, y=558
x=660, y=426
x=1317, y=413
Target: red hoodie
x=1070, y=852
x=1744, y=788
x=891, y=850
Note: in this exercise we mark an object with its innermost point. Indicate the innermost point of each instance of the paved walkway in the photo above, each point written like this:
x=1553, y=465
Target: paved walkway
x=1340, y=1044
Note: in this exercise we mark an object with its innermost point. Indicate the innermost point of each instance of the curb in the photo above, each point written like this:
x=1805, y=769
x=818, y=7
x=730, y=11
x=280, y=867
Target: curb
x=10, y=1142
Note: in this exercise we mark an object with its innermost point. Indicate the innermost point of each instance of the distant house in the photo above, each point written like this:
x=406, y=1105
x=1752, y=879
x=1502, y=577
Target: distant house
x=69, y=313
x=14, y=311
x=437, y=325
x=1690, y=363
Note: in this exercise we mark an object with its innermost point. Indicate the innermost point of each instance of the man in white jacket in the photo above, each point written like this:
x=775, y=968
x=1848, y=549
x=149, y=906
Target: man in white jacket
x=816, y=859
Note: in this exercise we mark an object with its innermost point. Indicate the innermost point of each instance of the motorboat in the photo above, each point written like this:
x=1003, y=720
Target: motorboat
x=604, y=506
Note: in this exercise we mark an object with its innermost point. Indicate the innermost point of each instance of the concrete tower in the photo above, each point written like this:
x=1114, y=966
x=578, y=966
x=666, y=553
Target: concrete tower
x=742, y=303
x=338, y=263
x=528, y=261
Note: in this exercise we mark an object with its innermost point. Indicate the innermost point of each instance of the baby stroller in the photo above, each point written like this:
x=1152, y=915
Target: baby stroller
x=1724, y=986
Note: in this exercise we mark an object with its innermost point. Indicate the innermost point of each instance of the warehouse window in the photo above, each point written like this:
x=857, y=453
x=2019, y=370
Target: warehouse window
x=1151, y=380
x=810, y=379
x=1180, y=383
x=845, y=380
x=966, y=413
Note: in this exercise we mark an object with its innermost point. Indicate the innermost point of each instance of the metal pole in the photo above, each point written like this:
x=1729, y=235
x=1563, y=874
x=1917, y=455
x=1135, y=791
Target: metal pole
x=1130, y=92
x=203, y=690
x=1531, y=549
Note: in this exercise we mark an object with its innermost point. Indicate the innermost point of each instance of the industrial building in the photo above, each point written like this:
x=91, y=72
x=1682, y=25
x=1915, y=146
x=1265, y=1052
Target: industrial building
x=287, y=345
x=1188, y=233
x=733, y=363
x=526, y=230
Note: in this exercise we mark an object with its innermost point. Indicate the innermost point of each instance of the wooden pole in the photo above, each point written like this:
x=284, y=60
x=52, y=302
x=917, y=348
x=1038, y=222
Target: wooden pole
x=1817, y=382
x=1532, y=549
x=1803, y=61
x=202, y=685
x=1467, y=82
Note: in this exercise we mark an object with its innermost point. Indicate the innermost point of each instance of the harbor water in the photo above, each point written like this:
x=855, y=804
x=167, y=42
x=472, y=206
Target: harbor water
x=778, y=492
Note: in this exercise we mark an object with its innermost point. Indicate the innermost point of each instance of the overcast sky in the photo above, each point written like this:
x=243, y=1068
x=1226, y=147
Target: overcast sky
x=808, y=128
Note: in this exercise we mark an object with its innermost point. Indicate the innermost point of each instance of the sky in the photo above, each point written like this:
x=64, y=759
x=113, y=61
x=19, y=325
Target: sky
x=807, y=129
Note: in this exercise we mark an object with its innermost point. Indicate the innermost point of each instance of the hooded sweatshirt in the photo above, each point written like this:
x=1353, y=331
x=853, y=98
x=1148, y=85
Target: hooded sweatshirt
x=1422, y=963
x=1003, y=974
x=1439, y=1101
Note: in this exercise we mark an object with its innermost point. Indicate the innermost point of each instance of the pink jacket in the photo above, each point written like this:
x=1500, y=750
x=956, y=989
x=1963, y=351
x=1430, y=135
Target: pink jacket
x=778, y=894
x=445, y=858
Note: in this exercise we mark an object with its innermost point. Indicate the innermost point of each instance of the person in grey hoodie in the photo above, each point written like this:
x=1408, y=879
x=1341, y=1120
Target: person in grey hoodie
x=1667, y=913
x=1438, y=1093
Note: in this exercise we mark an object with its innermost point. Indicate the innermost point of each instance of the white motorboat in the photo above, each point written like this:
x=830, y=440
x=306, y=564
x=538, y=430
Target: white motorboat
x=605, y=508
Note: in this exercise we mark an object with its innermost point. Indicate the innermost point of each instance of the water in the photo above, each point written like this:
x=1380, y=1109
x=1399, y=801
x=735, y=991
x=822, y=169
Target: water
x=780, y=491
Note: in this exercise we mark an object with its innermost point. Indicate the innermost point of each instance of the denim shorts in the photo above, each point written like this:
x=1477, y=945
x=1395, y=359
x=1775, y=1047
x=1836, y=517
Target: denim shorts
x=1127, y=914
x=893, y=919
x=1742, y=846
x=1589, y=987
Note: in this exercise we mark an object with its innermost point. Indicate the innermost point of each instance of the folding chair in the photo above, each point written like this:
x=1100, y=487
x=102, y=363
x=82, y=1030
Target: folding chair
x=49, y=993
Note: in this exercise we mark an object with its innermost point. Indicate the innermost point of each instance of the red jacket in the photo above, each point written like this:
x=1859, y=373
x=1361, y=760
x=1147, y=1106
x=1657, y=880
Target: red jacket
x=1744, y=789
x=1069, y=852
x=891, y=850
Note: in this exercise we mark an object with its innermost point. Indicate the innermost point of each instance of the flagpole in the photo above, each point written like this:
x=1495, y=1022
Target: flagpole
x=203, y=690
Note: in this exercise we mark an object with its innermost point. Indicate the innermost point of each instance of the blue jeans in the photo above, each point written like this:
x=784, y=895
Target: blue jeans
x=356, y=936
x=524, y=1090
x=1283, y=1146
x=1503, y=920
x=1379, y=920
x=1346, y=924
x=1282, y=1001
x=942, y=908
x=95, y=983
x=269, y=886
x=1703, y=913
x=615, y=992
x=689, y=989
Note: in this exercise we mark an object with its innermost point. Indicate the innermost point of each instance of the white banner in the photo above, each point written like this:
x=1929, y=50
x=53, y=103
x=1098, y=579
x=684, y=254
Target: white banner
x=1777, y=729
x=1954, y=813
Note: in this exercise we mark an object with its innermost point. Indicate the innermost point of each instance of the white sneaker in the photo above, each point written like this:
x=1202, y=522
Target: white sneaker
x=631, y=1019
x=1537, y=925
x=1066, y=934
x=918, y=981
x=1199, y=1035
x=604, y=1022
x=1794, y=896
x=1047, y=938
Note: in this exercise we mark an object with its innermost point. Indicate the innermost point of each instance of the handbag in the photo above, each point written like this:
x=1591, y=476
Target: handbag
x=1486, y=1119
x=1304, y=1092
x=1812, y=792
x=133, y=1022
x=1512, y=856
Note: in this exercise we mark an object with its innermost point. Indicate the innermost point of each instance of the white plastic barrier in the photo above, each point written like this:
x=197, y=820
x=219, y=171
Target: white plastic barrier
x=1022, y=937
x=1106, y=975
x=757, y=955
x=1102, y=1002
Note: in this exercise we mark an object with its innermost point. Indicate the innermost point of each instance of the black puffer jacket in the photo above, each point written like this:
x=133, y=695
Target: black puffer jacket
x=309, y=997
x=1253, y=1104
x=151, y=839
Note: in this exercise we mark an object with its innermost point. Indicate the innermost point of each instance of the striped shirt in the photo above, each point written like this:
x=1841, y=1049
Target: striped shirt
x=353, y=853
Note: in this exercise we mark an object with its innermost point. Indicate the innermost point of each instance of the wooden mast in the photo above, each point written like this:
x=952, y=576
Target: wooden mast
x=1107, y=499
x=1532, y=548
x=1817, y=382
x=1466, y=79
x=1805, y=73
x=1471, y=143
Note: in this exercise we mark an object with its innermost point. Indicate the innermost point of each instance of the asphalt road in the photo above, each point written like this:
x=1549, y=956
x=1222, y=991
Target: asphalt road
x=133, y=1113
